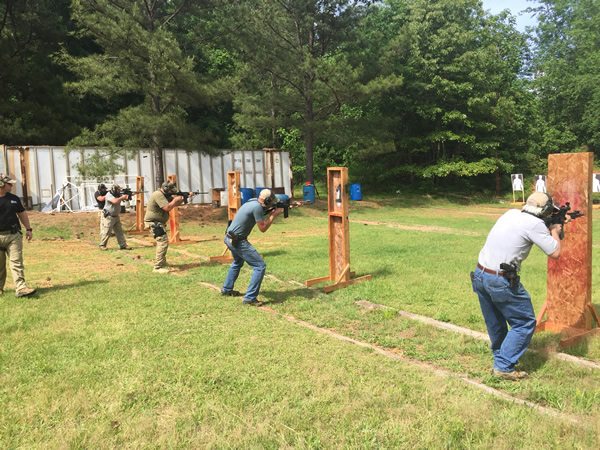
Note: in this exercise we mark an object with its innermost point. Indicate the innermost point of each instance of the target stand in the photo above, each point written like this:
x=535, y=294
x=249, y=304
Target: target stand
x=234, y=202
x=339, y=233
x=138, y=228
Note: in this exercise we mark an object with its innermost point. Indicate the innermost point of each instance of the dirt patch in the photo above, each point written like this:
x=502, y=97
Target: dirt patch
x=425, y=228
x=84, y=221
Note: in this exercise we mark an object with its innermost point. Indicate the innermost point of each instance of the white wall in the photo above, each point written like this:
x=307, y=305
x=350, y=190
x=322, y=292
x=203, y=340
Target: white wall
x=49, y=168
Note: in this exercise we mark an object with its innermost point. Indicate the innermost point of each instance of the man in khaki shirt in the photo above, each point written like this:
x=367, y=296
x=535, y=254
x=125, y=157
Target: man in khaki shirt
x=157, y=214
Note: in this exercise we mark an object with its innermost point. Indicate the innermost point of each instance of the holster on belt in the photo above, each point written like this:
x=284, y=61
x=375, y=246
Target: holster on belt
x=157, y=230
x=235, y=238
x=510, y=273
x=105, y=213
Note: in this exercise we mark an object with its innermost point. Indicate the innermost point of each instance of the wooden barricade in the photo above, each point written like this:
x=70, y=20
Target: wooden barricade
x=339, y=233
x=568, y=307
x=139, y=208
x=234, y=202
x=175, y=237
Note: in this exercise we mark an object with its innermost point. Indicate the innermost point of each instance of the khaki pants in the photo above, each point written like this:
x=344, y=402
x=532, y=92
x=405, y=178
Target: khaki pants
x=12, y=248
x=112, y=225
x=101, y=216
x=162, y=245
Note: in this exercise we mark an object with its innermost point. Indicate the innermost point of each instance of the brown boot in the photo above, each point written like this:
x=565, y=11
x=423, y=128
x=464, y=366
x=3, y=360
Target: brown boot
x=25, y=292
x=511, y=376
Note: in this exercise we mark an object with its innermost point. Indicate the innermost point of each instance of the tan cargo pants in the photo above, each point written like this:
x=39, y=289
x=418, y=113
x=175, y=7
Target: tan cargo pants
x=112, y=225
x=11, y=247
x=162, y=245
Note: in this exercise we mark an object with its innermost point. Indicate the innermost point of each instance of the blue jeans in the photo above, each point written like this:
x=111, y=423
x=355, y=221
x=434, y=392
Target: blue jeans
x=245, y=252
x=501, y=304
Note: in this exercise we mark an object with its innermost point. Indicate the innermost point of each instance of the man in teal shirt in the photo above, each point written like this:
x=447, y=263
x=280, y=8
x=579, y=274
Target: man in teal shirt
x=236, y=239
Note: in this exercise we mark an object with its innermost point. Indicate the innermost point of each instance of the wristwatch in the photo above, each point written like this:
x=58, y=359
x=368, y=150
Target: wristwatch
x=29, y=229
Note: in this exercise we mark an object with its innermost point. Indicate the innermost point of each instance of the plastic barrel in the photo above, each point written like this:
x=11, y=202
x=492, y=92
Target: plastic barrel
x=246, y=194
x=355, y=192
x=308, y=193
x=282, y=197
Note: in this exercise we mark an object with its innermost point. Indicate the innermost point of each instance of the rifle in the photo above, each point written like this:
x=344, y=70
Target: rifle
x=129, y=193
x=186, y=195
x=559, y=217
x=283, y=202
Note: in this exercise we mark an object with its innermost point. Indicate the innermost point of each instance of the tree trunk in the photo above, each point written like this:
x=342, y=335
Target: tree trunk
x=159, y=166
x=308, y=139
x=159, y=176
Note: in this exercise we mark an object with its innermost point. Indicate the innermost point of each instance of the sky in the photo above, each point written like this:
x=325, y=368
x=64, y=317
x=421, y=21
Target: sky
x=515, y=7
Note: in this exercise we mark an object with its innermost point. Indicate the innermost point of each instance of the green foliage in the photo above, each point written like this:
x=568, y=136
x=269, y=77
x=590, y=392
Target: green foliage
x=142, y=58
x=568, y=82
x=34, y=107
x=301, y=71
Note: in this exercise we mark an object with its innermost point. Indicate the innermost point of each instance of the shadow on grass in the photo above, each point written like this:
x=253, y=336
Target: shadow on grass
x=182, y=267
x=278, y=297
x=273, y=253
x=79, y=284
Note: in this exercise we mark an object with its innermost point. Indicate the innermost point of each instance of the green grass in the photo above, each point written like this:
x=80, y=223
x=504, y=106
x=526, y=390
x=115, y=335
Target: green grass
x=110, y=355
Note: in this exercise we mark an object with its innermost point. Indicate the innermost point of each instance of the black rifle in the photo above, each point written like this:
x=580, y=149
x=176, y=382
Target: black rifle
x=560, y=217
x=186, y=195
x=129, y=193
x=283, y=202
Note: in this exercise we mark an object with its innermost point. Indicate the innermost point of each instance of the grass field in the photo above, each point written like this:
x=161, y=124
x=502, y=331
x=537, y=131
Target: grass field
x=108, y=354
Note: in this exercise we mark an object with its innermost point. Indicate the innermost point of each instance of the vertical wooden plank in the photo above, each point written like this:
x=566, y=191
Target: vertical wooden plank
x=339, y=229
x=175, y=238
x=570, y=277
x=234, y=194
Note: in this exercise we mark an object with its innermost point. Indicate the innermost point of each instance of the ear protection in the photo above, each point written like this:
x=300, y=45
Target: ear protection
x=548, y=207
x=168, y=186
x=269, y=200
x=2, y=182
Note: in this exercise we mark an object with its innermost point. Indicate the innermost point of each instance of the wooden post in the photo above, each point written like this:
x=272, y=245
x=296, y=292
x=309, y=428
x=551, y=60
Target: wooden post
x=174, y=238
x=234, y=202
x=568, y=308
x=339, y=233
x=139, y=208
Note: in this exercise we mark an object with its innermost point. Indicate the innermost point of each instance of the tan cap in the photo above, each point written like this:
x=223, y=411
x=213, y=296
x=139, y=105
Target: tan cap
x=7, y=179
x=267, y=194
x=116, y=187
x=538, y=199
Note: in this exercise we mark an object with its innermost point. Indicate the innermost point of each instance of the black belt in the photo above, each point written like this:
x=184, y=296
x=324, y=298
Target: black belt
x=493, y=272
x=239, y=238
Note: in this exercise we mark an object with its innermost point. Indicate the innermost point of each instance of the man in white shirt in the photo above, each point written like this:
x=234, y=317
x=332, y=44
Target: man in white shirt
x=503, y=299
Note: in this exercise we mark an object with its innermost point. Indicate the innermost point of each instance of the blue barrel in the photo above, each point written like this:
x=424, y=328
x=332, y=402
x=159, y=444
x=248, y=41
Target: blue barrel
x=308, y=193
x=282, y=197
x=355, y=192
x=257, y=191
x=246, y=194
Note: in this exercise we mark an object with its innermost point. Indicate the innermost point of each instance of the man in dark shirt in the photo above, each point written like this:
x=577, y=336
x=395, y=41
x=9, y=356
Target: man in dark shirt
x=12, y=214
x=100, y=196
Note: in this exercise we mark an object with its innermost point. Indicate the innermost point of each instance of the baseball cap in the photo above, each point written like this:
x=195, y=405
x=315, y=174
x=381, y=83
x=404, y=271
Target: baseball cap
x=116, y=187
x=538, y=199
x=7, y=180
x=267, y=193
x=539, y=204
x=169, y=186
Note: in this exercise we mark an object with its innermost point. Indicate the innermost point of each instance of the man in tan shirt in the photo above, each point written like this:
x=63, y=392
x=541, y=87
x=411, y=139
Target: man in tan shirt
x=157, y=214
